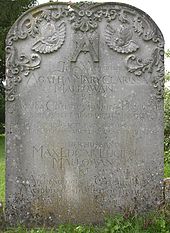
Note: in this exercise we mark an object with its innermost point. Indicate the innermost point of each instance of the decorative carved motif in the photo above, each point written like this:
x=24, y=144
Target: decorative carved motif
x=147, y=30
x=83, y=18
x=158, y=84
x=17, y=67
x=158, y=79
x=121, y=40
x=86, y=16
x=52, y=38
x=86, y=43
x=138, y=67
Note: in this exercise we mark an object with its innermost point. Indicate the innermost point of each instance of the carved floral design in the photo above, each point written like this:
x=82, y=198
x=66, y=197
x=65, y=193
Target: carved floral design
x=17, y=67
x=158, y=79
x=83, y=20
x=86, y=17
x=147, y=30
x=138, y=67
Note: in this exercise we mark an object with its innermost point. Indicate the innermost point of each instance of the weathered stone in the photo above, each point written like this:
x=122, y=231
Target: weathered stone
x=84, y=113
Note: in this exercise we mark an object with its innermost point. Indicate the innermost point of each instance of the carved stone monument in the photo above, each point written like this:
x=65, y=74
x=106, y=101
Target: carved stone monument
x=84, y=113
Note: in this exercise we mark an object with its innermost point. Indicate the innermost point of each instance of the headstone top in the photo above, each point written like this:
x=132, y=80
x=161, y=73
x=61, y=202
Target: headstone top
x=85, y=18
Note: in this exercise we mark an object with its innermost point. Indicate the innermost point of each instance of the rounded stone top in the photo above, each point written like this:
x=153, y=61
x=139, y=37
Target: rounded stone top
x=95, y=12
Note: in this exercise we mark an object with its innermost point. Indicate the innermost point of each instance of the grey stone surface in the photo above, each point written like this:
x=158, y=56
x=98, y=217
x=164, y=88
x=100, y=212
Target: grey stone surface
x=84, y=113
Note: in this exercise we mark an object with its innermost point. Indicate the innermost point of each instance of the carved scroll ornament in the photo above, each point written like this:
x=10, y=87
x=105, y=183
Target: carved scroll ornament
x=17, y=68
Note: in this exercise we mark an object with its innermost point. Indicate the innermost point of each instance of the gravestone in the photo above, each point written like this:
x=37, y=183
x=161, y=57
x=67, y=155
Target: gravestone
x=84, y=113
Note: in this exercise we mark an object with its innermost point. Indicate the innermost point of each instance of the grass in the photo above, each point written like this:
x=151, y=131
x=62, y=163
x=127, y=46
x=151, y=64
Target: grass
x=153, y=223
x=156, y=223
x=167, y=163
x=167, y=170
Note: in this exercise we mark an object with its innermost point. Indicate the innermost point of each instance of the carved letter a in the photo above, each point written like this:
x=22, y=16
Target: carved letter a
x=87, y=44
